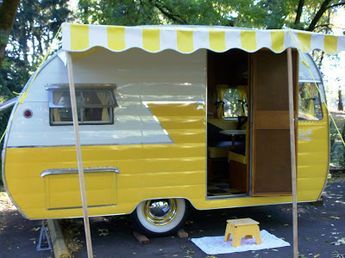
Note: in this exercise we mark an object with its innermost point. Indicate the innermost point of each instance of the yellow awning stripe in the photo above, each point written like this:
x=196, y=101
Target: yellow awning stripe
x=116, y=38
x=304, y=41
x=79, y=37
x=185, y=41
x=277, y=38
x=248, y=40
x=217, y=41
x=188, y=39
x=151, y=40
x=331, y=44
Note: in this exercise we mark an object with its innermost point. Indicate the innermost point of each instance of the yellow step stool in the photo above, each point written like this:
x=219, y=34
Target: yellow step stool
x=239, y=228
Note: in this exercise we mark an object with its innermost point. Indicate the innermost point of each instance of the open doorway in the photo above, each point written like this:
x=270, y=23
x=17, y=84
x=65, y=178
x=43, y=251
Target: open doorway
x=227, y=123
x=248, y=132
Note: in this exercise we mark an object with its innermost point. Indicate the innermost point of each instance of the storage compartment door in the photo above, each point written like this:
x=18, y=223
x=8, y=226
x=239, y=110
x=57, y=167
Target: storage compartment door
x=62, y=189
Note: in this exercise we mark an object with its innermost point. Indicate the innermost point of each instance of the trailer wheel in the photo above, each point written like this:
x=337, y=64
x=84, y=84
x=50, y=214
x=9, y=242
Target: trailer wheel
x=160, y=217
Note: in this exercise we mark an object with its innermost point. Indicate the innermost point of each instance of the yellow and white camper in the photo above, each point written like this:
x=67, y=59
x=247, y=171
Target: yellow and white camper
x=169, y=116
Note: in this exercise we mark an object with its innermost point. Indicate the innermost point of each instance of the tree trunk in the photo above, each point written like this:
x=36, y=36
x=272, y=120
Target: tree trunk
x=324, y=6
x=340, y=101
x=299, y=13
x=7, y=15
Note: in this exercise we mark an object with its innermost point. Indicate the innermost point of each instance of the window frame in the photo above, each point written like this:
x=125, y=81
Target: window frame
x=80, y=89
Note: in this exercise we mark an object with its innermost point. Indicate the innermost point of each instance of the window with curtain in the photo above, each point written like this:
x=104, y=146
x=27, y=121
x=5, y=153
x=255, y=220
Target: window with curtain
x=94, y=105
x=309, y=101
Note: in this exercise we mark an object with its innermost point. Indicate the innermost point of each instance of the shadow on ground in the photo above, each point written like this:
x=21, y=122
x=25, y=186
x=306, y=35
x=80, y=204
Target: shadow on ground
x=18, y=236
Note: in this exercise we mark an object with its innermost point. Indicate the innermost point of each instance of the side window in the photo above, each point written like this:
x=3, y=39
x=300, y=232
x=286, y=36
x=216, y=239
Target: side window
x=235, y=103
x=309, y=102
x=95, y=106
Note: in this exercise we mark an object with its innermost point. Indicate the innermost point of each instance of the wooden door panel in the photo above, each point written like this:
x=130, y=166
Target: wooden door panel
x=272, y=162
x=271, y=166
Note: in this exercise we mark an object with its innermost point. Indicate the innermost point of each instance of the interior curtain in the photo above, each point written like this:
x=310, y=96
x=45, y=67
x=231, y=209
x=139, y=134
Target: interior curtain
x=310, y=97
x=242, y=92
x=221, y=89
x=57, y=100
x=104, y=98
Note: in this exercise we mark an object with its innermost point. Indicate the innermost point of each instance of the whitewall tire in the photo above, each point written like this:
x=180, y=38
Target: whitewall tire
x=160, y=217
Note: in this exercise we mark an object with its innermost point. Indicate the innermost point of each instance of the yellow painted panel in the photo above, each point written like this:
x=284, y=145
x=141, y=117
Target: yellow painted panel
x=152, y=170
x=277, y=38
x=331, y=44
x=163, y=180
x=151, y=40
x=177, y=110
x=217, y=40
x=312, y=159
x=307, y=172
x=187, y=136
x=188, y=122
x=174, y=165
x=182, y=150
x=304, y=41
x=185, y=41
x=116, y=38
x=310, y=184
x=248, y=40
x=180, y=191
x=196, y=135
x=79, y=37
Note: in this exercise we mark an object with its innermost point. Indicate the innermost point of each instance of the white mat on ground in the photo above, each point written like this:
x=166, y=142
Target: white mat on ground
x=216, y=244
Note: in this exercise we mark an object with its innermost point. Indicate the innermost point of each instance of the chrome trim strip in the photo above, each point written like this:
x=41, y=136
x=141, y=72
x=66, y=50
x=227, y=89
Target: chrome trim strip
x=7, y=104
x=79, y=207
x=66, y=171
x=228, y=196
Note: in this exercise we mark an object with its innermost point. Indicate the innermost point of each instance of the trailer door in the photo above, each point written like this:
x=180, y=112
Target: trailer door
x=270, y=155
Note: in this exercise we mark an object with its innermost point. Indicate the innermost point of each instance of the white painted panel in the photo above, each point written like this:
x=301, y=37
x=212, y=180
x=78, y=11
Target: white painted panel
x=139, y=76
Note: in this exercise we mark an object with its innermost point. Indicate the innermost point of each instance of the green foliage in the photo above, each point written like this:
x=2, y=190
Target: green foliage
x=35, y=25
x=337, y=151
x=132, y=12
x=244, y=13
x=4, y=116
x=34, y=28
x=342, y=161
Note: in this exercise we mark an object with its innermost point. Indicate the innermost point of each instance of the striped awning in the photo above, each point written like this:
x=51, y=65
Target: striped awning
x=187, y=39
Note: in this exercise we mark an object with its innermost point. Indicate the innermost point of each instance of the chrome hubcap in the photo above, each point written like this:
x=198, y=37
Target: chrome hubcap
x=160, y=212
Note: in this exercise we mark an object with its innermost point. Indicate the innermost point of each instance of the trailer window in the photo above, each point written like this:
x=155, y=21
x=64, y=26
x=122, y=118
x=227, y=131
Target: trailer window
x=235, y=104
x=309, y=102
x=95, y=106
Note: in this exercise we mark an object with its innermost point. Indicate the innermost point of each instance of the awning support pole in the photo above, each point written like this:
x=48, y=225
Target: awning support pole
x=293, y=153
x=79, y=156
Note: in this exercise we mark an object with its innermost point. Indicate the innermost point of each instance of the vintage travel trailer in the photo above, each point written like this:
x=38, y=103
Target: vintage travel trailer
x=170, y=117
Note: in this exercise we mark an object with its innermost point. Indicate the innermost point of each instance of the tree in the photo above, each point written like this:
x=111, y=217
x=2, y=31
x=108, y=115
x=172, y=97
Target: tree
x=7, y=15
x=340, y=101
x=35, y=25
x=315, y=13
x=312, y=15
x=132, y=12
